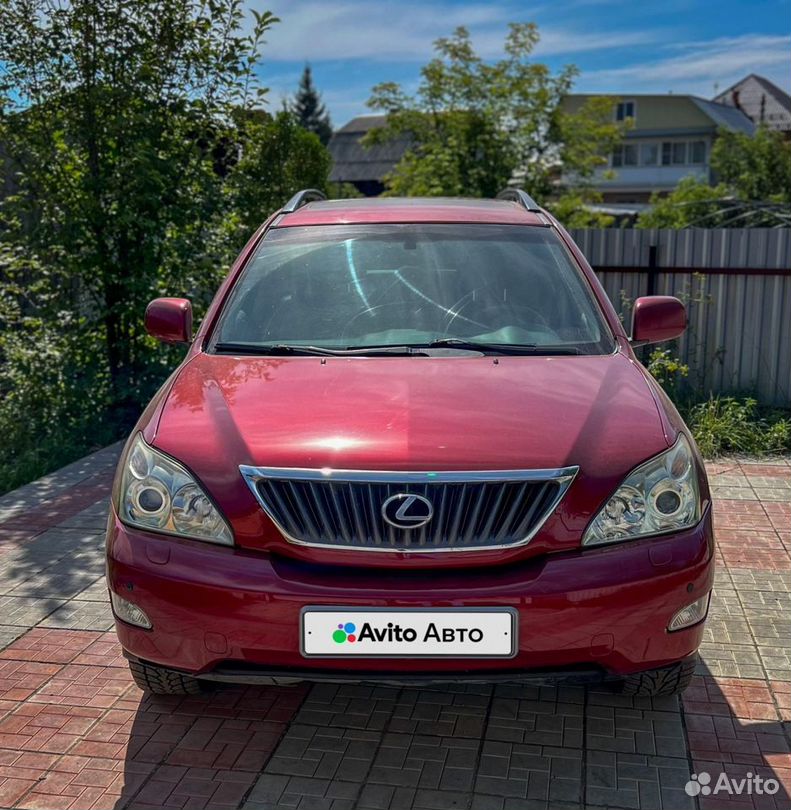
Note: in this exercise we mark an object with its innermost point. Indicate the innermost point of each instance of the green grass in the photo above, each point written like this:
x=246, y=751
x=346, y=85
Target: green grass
x=27, y=464
x=738, y=426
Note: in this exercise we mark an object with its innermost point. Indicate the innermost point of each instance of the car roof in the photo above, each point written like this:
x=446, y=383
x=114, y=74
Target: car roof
x=409, y=209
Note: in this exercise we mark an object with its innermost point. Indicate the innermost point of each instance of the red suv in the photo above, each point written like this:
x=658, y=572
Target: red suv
x=411, y=442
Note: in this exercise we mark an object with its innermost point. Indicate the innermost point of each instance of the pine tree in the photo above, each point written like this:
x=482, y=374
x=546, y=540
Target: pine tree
x=312, y=114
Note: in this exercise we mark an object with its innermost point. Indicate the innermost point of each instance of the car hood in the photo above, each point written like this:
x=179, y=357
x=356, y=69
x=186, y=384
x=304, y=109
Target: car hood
x=409, y=413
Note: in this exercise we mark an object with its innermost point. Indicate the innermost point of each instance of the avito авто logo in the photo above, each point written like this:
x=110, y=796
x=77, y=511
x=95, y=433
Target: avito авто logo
x=347, y=632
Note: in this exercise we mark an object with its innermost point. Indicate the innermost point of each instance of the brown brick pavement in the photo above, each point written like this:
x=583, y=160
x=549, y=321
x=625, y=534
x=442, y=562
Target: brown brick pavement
x=76, y=733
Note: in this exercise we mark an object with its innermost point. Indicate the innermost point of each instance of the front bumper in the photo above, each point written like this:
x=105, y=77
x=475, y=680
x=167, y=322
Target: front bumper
x=219, y=610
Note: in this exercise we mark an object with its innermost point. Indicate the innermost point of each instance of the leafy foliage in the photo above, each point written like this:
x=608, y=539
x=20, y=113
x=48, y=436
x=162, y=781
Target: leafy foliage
x=474, y=124
x=755, y=167
x=755, y=185
x=721, y=425
x=691, y=201
x=344, y=191
x=136, y=164
x=279, y=158
x=667, y=370
x=309, y=110
x=729, y=425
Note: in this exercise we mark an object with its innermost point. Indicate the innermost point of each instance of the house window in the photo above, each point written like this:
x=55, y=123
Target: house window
x=649, y=154
x=674, y=153
x=625, y=155
x=624, y=110
x=697, y=152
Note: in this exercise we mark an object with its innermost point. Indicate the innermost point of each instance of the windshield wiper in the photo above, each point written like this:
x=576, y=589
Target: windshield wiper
x=292, y=349
x=282, y=349
x=504, y=348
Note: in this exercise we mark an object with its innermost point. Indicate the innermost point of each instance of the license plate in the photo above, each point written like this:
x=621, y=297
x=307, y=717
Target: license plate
x=408, y=633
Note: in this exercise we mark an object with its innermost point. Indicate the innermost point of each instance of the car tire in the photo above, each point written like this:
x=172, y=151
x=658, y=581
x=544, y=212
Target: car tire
x=672, y=680
x=161, y=681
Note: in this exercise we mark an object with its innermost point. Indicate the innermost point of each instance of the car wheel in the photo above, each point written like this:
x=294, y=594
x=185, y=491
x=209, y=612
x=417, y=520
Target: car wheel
x=162, y=681
x=670, y=680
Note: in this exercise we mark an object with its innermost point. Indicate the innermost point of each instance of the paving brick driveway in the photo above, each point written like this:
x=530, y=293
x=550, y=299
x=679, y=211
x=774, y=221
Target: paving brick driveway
x=76, y=733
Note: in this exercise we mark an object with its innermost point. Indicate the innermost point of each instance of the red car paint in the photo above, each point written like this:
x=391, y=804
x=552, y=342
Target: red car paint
x=607, y=606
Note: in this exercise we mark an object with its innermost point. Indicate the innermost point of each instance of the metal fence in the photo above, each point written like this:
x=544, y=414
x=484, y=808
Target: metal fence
x=736, y=284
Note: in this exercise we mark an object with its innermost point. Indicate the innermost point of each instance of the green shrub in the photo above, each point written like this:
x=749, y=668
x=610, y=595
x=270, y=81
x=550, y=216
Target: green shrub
x=134, y=173
x=54, y=406
x=668, y=371
x=723, y=425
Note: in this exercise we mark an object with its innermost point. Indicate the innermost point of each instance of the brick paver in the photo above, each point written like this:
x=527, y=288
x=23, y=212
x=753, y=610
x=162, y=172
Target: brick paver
x=76, y=733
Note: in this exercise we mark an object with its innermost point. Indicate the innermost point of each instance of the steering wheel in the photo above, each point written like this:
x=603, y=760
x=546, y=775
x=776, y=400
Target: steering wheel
x=528, y=315
x=405, y=311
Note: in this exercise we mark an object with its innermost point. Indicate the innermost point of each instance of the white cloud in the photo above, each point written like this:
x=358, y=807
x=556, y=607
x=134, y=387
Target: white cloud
x=405, y=31
x=695, y=67
x=362, y=35
x=557, y=41
x=317, y=31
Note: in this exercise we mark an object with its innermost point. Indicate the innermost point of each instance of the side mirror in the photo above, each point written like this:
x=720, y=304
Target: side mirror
x=656, y=318
x=169, y=320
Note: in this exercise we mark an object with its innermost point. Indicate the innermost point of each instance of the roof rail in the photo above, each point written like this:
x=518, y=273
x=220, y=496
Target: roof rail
x=302, y=198
x=518, y=196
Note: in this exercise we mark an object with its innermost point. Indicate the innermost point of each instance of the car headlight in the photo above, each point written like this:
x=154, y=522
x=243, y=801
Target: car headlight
x=659, y=496
x=157, y=493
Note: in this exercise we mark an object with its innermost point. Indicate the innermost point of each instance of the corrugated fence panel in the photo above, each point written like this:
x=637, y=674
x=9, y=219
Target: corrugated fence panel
x=736, y=284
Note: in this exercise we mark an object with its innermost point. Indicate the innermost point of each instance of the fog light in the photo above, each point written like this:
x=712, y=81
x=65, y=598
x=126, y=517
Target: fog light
x=128, y=612
x=691, y=614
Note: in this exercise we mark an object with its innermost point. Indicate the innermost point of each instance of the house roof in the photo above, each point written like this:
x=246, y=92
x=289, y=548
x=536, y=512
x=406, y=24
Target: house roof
x=353, y=162
x=363, y=123
x=669, y=123
x=779, y=95
x=724, y=115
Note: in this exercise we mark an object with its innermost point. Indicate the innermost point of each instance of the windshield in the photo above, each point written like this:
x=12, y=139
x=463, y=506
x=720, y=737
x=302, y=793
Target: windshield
x=357, y=286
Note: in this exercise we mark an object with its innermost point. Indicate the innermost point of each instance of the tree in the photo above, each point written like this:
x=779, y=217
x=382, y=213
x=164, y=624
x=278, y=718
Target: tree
x=692, y=201
x=136, y=162
x=310, y=112
x=754, y=188
x=280, y=158
x=474, y=124
x=111, y=114
x=754, y=167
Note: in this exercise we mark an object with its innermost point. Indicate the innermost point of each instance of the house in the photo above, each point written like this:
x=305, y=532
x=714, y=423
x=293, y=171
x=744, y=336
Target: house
x=364, y=167
x=671, y=138
x=761, y=101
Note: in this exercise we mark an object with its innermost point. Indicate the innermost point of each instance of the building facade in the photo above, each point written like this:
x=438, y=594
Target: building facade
x=670, y=138
x=763, y=102
x=364, y=167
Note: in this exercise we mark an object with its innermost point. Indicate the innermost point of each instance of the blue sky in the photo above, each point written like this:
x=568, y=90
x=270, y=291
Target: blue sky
x=620, y=46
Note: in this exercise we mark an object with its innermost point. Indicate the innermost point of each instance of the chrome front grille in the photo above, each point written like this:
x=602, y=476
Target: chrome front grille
x=471, y=510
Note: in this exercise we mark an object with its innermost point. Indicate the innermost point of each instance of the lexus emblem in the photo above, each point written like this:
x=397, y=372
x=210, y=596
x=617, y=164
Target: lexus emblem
x=406, y=511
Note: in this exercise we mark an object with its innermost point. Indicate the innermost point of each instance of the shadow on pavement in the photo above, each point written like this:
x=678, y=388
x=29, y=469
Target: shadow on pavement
x=364, y=746
x=202, y=751
x=737, y=739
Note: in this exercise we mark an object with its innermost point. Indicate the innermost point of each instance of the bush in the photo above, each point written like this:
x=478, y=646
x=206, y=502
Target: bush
x=723, y=425
x=668, y=371
x=137, y=162
x=53, y=407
